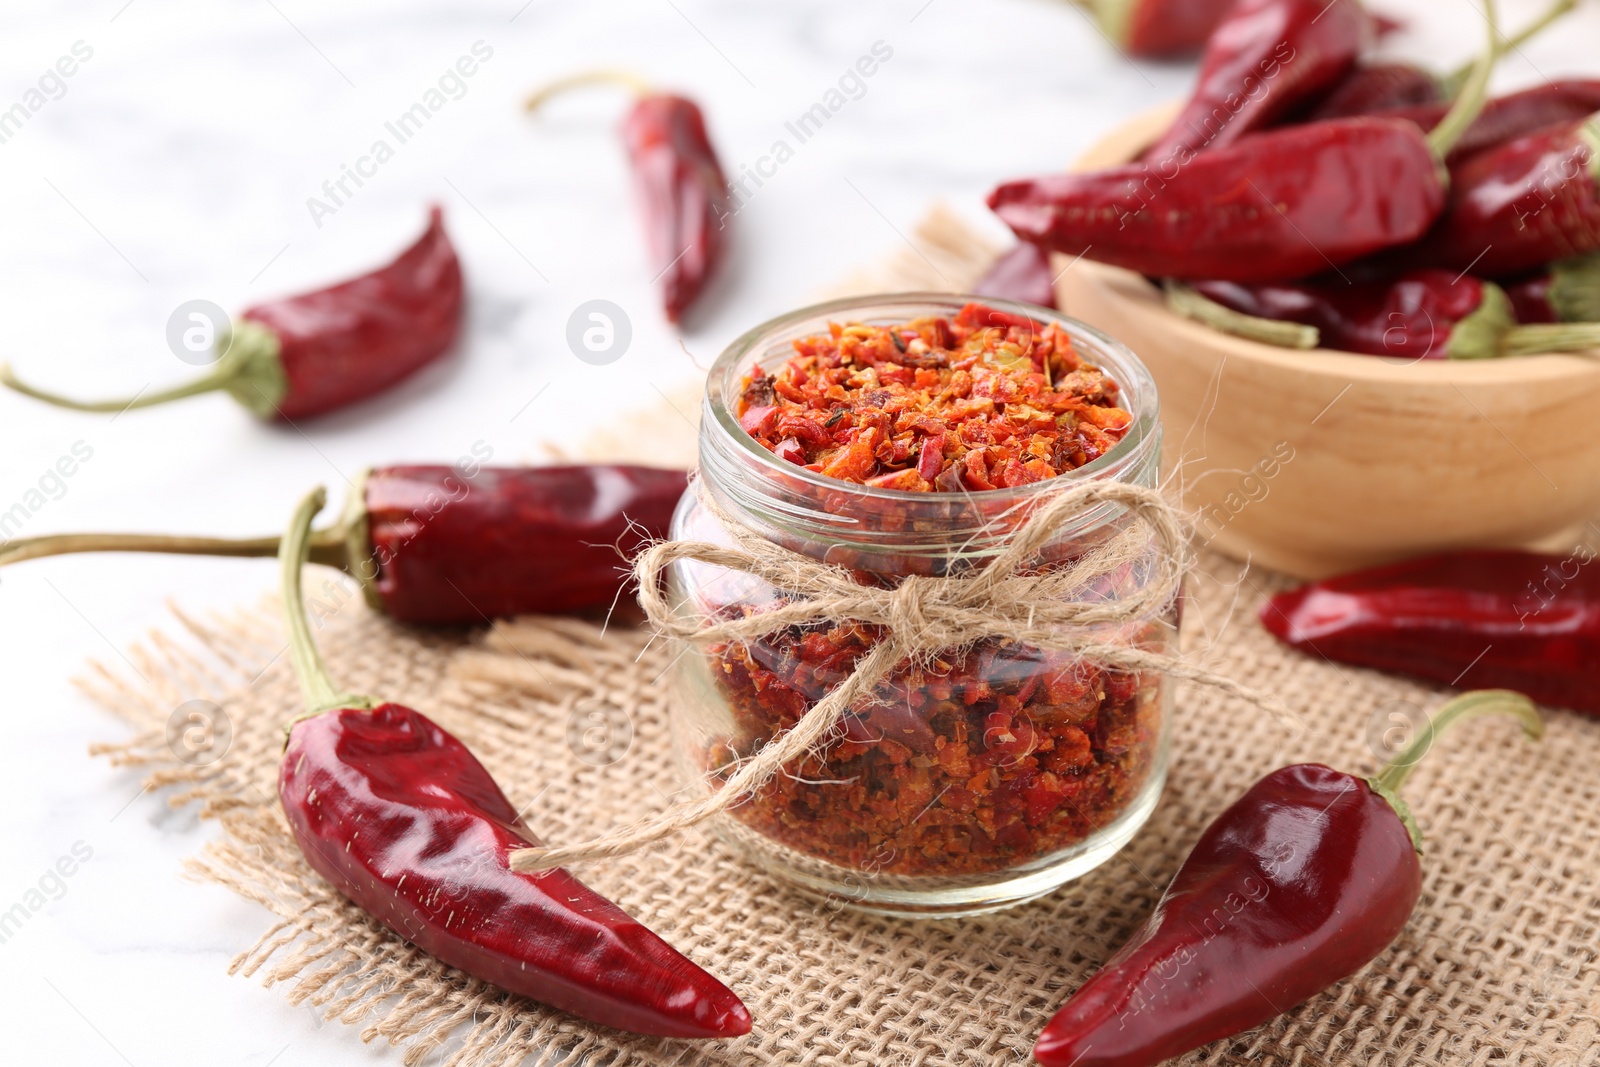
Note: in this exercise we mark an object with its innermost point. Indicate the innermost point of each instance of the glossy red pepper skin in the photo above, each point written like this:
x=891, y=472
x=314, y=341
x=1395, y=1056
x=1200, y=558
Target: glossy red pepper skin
x=510, y=540
x=1515, y=115
x=1161, y=28
x=1286, y=203
x=1304, y=880
x=682, y=193
x=1474, y=619
x=1377, y=87
x=1265, y=59
x=353, y=340
x=401, y=818
x=1021, y=274
x=1521, y=205
x=1530, y=297
x=1412, y=317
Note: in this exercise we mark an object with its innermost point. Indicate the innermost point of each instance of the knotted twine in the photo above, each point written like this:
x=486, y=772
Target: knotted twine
x=1008, y=600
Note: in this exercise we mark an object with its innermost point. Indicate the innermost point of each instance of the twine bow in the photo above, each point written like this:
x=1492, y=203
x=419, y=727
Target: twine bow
x=1059, y=609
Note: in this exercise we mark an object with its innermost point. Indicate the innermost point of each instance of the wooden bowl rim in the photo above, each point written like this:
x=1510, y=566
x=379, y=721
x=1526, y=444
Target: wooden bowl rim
x=1123, y=143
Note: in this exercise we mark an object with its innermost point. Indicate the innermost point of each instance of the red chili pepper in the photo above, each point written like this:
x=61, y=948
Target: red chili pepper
x=310, y=354
x=1160, y=28
x=682, y=193
x=401, y=818
x=435, y=545
x=1377, y=87
x=1569, y=291
x=1518, y=620
x=1515, y=115
x=1022, y=274
x=1521, y=205
x=1304, y=880
x=1286, y=203
x=1265, y=59
x=1426, y=314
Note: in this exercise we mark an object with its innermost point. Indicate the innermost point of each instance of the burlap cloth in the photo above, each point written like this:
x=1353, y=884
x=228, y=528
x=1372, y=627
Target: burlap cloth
x=1498, y=965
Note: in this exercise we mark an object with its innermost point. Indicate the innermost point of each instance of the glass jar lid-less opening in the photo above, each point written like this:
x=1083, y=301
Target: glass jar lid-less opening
x=882, y=530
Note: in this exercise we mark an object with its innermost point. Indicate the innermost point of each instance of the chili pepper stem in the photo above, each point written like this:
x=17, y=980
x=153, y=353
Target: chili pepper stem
x=316, y=685
x=1575, y=288
x=624, y=78
x=1546, y=338
x=1193, y=305
x=248, y=369
x=327, y=547
x=1451, y=84
x=1388, y=782
x=1483, y=334
x=1474, y=92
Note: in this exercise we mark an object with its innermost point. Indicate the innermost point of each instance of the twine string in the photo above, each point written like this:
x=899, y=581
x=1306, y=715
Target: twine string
x=1061, y=608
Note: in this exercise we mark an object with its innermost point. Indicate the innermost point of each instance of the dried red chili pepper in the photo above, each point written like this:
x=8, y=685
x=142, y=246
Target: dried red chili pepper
x=1022, y=274
x=1306, y=878
x=1517, y=620
x=401, y=818
x=310, y=354
x=1519, y=206
x=682, y=193
x=1265, y=59
x=435, y=545
x=1286, y=203
x=1515, y=115
x=1159, y=28
x=1426, y=314
x=1569, y=291
x=1377, y=87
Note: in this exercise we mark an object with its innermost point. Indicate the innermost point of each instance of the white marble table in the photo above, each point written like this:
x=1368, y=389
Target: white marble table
x=176, y=163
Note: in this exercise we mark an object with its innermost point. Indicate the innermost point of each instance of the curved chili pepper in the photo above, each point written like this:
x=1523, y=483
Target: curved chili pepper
x=1521, y=205
x=1304, y=880
x=1426, y=314
x=1485, y=617
x=1282, y=204
x=1022, y=274
x=683, y=195
x=1373, y=88
x=1515, y=115
x=310, y=354
x=1569, y=291
x=1266, y=58
x=435, y=545
x=401, y=818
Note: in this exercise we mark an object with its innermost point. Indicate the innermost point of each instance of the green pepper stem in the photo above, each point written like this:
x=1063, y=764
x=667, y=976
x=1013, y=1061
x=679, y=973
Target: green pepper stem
x=248, y=369
x=1474, y=91
x=626, y=79
x=1451, y=84
x=316, y=685
x=1464, y=707
x=327, y=546
x=1547, y=338
x=1575, y=287
x=1193, y=305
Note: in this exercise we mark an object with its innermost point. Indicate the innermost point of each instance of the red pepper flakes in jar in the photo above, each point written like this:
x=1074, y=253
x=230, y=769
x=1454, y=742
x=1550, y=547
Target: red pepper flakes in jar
x=988, y=774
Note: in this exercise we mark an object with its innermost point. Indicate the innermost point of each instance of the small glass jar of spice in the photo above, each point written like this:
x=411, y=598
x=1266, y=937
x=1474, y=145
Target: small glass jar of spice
x=911, y=436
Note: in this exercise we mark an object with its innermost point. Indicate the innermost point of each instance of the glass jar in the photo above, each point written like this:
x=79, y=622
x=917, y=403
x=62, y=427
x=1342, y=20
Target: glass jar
x=986, y=778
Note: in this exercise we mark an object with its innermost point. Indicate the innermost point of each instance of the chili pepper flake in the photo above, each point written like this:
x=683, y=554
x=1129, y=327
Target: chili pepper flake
x=984, y=400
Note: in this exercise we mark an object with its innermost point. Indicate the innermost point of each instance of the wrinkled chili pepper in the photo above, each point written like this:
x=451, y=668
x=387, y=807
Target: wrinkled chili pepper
x=1285, y=203
x=1022, y=274
x=1515, y=115
x=1376, y=87
x=1485, y=617
x=1568, y=291
x=1426, y=314
x=401, y=818
x=1519, y=206
x=1265, y=58
x=310, y=354
x=1304, y=880
x=435, y=545
x=679, y=184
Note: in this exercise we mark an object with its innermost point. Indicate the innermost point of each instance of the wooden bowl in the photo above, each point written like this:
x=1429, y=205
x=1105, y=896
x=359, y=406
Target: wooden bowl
x=1316, y=462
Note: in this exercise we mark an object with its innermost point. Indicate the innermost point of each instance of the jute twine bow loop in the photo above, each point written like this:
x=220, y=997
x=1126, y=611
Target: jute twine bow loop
x=1061, y=608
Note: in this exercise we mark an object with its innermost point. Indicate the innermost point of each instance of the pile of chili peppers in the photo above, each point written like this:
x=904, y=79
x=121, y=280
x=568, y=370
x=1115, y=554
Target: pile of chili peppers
x=1389, y=209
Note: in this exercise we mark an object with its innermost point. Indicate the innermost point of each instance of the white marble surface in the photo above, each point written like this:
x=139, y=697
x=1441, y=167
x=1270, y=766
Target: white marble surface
x=177, y=164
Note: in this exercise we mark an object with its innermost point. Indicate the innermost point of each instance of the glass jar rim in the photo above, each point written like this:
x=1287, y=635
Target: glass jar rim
x=1124, y=367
